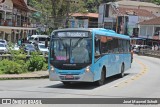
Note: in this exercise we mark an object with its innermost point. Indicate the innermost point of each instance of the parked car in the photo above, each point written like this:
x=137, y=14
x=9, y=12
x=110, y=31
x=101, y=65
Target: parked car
x=3, y=41
x=34, y=39
x=3, y=48
x=41, y=48
x=28, y=47
x=145, y=46
x=16, y=47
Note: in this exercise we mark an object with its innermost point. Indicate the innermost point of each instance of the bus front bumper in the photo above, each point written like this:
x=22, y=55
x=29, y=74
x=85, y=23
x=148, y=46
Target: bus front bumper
x=85, y=77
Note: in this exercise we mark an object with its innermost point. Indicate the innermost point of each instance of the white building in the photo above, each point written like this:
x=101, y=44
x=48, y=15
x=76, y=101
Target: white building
x=15, y=20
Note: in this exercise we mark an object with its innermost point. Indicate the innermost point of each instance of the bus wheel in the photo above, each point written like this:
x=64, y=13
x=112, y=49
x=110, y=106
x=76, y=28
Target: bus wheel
x=66, y=83
x=102, y=79
x=122, y=71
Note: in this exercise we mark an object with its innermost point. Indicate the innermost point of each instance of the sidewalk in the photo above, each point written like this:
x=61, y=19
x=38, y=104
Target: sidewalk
x=36, y=74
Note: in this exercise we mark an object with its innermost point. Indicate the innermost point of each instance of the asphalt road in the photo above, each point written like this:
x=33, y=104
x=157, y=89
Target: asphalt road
x=141, y=81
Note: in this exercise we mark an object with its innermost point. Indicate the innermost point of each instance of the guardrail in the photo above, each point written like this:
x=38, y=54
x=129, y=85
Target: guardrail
x=149, y=52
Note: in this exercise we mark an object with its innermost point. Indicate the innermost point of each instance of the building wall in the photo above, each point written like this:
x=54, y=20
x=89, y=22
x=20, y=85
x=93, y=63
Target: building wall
x=147, y=31
x=7, y=5
x=14, y=23
x=6, y=11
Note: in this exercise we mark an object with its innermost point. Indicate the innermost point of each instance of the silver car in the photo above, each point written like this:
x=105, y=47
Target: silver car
x=3, y=41
x=3, y=48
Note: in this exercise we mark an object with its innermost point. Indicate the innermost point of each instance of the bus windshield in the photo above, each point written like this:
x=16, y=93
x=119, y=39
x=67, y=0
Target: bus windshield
x=72, y=50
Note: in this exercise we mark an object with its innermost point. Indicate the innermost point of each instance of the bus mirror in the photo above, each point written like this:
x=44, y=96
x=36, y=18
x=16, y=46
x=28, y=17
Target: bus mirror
x=46, y=43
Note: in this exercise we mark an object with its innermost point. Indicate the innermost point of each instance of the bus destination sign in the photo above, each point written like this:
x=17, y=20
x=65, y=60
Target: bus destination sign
x=72, y=34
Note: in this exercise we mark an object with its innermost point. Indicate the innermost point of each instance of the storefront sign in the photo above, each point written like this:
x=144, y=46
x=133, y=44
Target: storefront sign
x=72, y=34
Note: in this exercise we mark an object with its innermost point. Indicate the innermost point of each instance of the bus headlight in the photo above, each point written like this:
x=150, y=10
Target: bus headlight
x=87, y=69
x=52, y=68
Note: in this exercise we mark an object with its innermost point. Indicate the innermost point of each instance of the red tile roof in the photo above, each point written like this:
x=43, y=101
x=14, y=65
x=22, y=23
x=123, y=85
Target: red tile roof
x=93, y=15
x=20, y=4
x=138, y=12
x=154, y=21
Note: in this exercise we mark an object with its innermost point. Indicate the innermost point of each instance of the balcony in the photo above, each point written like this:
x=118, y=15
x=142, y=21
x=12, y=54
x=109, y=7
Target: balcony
x=13, y=23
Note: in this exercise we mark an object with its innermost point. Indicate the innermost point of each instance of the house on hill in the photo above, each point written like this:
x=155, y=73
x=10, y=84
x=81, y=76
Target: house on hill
x=123, y=16
x=150, y=30
x=85, y=20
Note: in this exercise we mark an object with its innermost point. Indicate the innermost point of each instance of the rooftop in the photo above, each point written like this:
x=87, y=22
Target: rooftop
x=137, y=3
x=20, y=4
x=92, y=15
x=138, y=12
x=154, y=21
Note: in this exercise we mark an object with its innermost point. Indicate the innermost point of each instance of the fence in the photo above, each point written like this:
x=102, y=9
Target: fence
x=149, y=52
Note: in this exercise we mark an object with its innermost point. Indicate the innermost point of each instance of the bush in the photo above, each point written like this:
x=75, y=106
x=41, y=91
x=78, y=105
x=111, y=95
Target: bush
x=45, y=67
x=18, y=64
x=11, y=67
x=35, y=62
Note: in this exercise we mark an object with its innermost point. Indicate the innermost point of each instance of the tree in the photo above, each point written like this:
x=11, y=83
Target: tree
x=56, y=13
x=156, y=2
x=92, y=5
x=62, y=9
x=106, y=1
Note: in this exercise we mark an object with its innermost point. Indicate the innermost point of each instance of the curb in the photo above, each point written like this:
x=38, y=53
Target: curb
x=155, y=56
x=31, y=75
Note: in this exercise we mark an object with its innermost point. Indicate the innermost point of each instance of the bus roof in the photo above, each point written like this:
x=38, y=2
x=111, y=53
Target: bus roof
x=99, y=31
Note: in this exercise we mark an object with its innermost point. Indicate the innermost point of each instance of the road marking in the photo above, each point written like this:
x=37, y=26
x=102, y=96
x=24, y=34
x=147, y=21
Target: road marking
x=116, y=85
x=127, y=81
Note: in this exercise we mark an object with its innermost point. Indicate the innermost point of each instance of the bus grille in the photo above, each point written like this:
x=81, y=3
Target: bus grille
x=69, y=73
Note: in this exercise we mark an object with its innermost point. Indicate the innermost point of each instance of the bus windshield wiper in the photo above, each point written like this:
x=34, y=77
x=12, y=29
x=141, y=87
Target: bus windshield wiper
x=77, y=43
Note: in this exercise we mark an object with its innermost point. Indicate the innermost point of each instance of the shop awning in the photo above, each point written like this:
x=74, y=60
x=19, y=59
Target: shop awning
x=138, y=38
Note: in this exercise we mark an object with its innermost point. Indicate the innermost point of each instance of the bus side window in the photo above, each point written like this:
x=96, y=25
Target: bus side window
x=97, y=48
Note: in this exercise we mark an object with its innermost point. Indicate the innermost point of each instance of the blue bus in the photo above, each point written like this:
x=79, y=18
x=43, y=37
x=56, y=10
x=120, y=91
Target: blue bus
x=87, y=55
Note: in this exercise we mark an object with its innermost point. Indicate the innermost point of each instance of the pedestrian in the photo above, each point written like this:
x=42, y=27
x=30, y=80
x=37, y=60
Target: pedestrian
x=153, y=47
x=19, y=42
x=139, y=49
x=156, y=47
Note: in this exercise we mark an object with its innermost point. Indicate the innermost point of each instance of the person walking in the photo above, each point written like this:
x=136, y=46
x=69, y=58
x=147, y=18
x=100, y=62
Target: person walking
x=153, y=47
x=156, y=47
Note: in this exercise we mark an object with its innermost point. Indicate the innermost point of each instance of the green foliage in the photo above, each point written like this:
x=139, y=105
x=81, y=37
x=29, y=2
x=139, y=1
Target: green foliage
x=35, y=62
x=11, y=67
x=156, y=2
x=45, y=67
x=18, y=64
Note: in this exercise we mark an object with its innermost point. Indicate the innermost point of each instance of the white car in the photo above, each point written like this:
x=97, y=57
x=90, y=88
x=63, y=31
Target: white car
x=41, y=47
x=16, y=47
x=3, y=41
x=3, y=48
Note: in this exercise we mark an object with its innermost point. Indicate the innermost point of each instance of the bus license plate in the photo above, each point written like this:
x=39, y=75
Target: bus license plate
x=69, y=76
